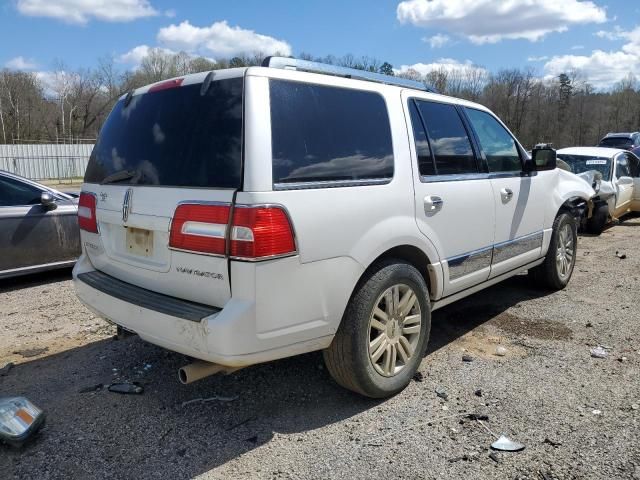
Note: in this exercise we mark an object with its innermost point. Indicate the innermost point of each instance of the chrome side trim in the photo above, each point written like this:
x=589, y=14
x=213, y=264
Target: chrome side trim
x=330, y=184
x=453, y=178
x=469, y=262
x=512, y=248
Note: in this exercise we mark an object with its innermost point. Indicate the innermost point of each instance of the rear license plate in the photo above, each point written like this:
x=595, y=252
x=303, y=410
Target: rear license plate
x=139, y=242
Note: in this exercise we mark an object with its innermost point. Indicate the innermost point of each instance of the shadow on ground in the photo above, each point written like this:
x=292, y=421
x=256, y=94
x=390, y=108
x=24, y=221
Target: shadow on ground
x=102, y=434
x=34, y=280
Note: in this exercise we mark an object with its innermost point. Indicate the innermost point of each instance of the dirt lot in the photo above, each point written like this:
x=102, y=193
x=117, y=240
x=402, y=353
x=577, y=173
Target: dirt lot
x=578, y=416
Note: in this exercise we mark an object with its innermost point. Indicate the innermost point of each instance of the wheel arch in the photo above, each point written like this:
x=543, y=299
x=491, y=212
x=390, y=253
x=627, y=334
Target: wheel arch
x=415, y=256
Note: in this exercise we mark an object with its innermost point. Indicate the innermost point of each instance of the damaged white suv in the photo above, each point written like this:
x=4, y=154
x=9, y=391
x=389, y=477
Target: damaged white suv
x=245, y=215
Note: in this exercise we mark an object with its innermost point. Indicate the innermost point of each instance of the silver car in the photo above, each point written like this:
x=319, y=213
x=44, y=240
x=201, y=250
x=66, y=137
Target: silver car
x=38, y=227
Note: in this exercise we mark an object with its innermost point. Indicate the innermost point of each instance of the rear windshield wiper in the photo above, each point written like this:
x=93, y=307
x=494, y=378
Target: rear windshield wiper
x=119, y=176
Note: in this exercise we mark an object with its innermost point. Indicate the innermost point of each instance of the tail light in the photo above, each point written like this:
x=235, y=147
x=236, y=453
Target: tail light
x=200, y=228
x=87, y=220
x=257, y=232
x=260, y=232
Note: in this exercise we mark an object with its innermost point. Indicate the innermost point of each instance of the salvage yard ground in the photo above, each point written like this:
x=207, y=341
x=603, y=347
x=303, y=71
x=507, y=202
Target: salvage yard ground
x=578, y=416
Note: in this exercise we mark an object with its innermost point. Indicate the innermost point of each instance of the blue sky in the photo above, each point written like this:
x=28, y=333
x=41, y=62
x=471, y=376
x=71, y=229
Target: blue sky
x=600, y=39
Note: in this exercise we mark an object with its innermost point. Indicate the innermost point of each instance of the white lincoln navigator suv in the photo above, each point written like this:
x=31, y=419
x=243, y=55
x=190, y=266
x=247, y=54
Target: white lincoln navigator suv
x=244, y=215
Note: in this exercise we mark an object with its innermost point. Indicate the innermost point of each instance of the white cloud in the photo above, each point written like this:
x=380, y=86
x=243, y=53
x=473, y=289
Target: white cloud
x=219, y=40
x=448, y=64
x=437, y=41
x=602, y=69
x=81, y=11
x=137, y=54
x=541, y=58
x=21, y=63
x=616, y=34
x=577, y=47
x=490, y=21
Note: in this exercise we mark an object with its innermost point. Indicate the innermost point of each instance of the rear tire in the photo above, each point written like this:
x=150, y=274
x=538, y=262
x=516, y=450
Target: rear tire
x=556, y=270
x=384, y=331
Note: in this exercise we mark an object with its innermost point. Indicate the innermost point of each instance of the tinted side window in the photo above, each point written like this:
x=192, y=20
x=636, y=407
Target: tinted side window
x=321, y=133
x=449, y=140
x=14, y=193
x=423, y=150
x=622, y=166
x=635, y=166
x=497, y=144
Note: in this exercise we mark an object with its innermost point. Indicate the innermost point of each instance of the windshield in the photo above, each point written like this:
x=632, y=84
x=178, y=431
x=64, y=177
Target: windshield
x=584, y=163
x=173, y=137
x=616, y=142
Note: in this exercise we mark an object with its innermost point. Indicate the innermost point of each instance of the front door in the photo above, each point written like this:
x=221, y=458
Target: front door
x=518, y=197
x=32, y=234
x=453, y=197
x=624, y=190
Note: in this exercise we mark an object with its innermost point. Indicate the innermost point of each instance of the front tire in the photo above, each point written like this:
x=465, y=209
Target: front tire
x=556, y=270
x=598, y=220
x=384, y=331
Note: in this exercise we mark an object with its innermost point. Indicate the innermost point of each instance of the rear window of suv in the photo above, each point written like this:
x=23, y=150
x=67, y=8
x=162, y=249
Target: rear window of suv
x=180, y=136
x=328, y=134
x=616, y=142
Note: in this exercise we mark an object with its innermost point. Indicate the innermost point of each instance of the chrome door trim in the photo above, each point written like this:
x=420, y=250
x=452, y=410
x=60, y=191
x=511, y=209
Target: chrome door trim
x=471, y=262
x=512, y=248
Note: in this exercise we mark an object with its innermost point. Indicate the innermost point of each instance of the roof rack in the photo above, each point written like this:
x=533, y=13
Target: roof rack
x=286, y=63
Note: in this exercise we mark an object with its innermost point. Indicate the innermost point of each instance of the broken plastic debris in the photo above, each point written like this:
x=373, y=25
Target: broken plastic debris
x=596, y=412
x=440, y=392
x=599, y=352
x=506, y=445
x=467, y=358
x=134, y=388
x=501, y=351
x=621, y=256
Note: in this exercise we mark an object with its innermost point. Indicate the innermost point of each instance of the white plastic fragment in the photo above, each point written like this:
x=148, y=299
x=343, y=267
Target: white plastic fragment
x=599, y=352
x=501, y=351
x=507, y=445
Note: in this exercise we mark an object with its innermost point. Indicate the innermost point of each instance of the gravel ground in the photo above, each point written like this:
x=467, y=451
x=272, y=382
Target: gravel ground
x=578, y=416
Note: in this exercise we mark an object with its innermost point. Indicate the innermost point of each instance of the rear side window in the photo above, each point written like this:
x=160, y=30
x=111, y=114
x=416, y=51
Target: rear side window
x=448, y=137
x=423, y=150
x=181, y=136
x=15, y=193
x=321, y=134
x=497, y=144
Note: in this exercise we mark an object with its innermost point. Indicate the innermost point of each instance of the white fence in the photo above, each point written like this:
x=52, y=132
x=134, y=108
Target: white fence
x=46, y=161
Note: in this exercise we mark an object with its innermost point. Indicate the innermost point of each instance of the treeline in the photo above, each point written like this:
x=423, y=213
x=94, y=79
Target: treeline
x=65, y=105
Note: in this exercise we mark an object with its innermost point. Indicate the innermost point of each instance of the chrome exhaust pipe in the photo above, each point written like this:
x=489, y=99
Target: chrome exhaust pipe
x=198, y=370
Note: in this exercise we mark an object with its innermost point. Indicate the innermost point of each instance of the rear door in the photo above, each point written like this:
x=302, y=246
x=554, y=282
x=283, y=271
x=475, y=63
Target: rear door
x=453, y=197
x=518, y=197
x=624, y=191
x=32, y=234
x=635, y=174
x=176, y=144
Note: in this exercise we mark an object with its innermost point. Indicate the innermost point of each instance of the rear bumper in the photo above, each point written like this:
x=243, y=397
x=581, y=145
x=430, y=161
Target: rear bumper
x=233, y=336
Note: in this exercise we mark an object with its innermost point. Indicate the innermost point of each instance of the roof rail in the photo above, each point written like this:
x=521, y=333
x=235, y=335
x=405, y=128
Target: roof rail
x=286, y=63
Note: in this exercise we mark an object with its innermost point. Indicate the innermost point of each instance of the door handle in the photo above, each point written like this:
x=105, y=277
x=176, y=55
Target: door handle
x=432, y=203
x=506, y=193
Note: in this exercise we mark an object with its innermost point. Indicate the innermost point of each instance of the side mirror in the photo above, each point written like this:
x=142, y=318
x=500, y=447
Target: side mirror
x=625, y=181
x=544, y=157
x=47, y=200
